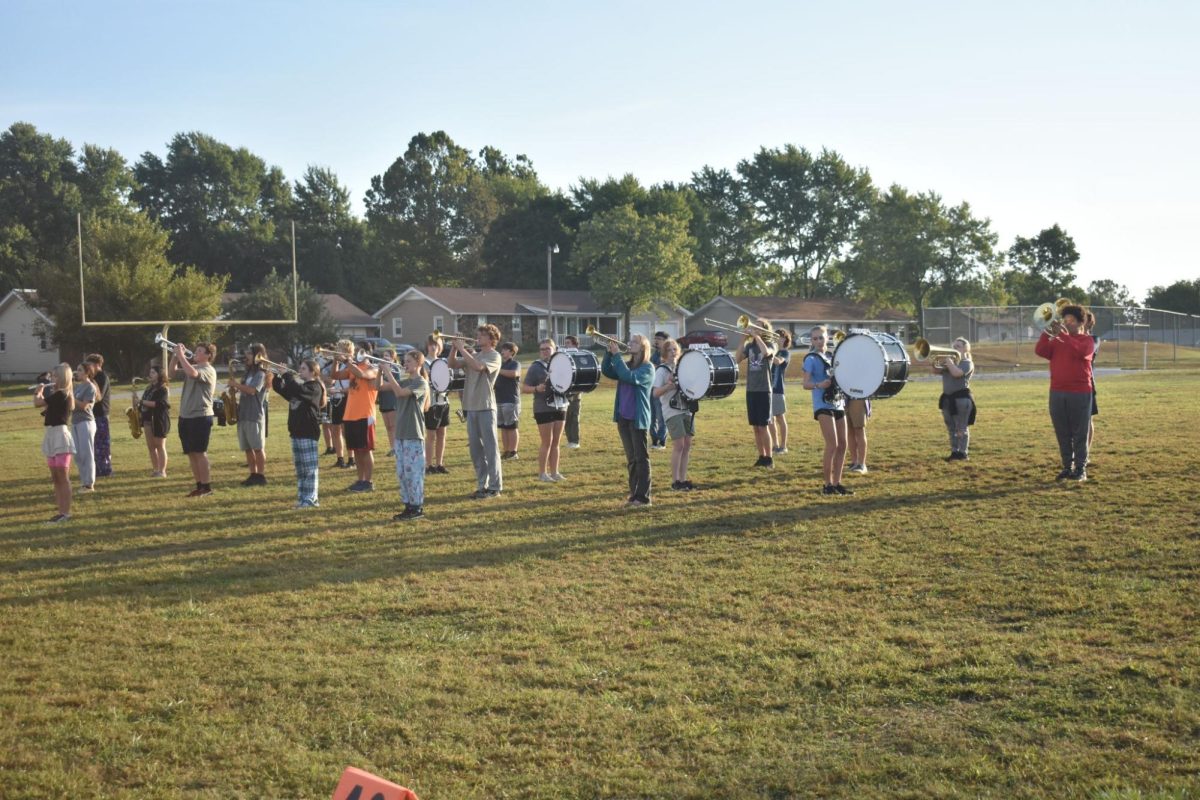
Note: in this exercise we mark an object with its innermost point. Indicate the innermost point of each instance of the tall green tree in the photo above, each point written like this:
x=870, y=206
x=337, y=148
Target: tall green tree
x=726, y=235
x=1182, y=296
x=1047, y=262
x=330, y=240
x=514, y=250
x=809, y=209
x=634, y=260
x=1106, y=292
x=966, y=257
x=273, y=300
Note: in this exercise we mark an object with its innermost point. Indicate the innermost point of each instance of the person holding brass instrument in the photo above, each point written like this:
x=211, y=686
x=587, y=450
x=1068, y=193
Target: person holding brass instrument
x=678, y=416
x=658, y=425
x=83, y=424
x=631, y=411
x=479, y=404
x=758, y=354
x=508, y=401
x=358, y=420
x=437, y=418
x=549, y=412
x=1070, y=353
x=778, y=427
x=306, y=395
x=156, y=419
x=571, y=428
x=385, y=402
x=335, y=410
x=1089, y=323
x=829, y=410
x=103, y=440
x=957, y=403
x=196, y=410
x=412, y=396
x=58, y=400
x=251, y=416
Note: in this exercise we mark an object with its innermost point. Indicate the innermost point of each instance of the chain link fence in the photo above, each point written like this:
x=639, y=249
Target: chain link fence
x=1130, y=337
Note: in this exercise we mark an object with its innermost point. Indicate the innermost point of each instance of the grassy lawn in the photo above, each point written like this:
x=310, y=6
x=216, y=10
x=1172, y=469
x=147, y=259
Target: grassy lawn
x=951, y=630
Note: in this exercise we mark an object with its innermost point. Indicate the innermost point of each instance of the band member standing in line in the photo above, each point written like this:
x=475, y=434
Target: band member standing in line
x=829, y=411
x=196, y=410
x=858, y=413
x=508, y=401
x=658, y=425
x=572, y=423
x=956, y=402
x=549, y=412
x=778, y=427
x=1089, y=323
x=479, y=406
x=385, y=402
x=306, y=397
x=1070, y=353
x=103, y=441
x=58, y=399
x=83, y=425
x=631, y=412
x=758, y=355
x=252, y=424
x=412, y=395
x=437, y=418
x=358, y=421
x=336, y=407
x=156, y=419
x=680, y=421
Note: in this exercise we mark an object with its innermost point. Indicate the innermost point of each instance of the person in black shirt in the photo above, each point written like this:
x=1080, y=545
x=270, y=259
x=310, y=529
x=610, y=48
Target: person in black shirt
x=103, y=442
x=306, y=397
x=155, y=407
x=57, y=445
x=508, y=401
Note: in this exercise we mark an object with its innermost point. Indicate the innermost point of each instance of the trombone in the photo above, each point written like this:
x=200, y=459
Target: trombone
x=606, y=340
x=924, y=351
x=163, y=341
x=743, y=325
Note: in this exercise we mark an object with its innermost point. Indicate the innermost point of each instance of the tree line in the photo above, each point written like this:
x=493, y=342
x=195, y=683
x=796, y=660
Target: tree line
x=165, y=235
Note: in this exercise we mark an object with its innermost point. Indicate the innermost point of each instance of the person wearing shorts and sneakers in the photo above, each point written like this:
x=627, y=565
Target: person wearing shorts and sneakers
x=508, y=401
x=758, y=355
x=196, y=410
x=680, y=421
x=358, y=421
x=858, y=411
x=828, y=410
x=252, y=418
x=549, y=411
x=779, y=364
x=58, y=398
x=437, y=418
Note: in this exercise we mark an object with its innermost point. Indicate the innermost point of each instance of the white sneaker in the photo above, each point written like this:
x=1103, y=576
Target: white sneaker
x=573, y=445
x=861, y=469
x=558, y=476
x=544, y=478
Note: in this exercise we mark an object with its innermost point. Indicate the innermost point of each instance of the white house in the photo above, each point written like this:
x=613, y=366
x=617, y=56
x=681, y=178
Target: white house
x=26, y=349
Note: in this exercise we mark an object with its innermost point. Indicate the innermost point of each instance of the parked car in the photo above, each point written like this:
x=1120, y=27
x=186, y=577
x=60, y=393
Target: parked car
x=375, y=344
x=710, y=337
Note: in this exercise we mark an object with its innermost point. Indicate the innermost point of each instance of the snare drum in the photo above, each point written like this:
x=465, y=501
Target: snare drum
x=573, y=371
x=868, y=364
x=706, y=373
x=443, y=379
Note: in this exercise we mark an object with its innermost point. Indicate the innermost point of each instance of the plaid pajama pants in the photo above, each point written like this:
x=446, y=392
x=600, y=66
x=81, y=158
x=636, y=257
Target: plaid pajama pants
x=304, y=454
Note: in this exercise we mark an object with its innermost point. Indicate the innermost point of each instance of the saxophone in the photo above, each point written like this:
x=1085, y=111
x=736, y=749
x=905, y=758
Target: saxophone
x=230, y=396
x=134, y=412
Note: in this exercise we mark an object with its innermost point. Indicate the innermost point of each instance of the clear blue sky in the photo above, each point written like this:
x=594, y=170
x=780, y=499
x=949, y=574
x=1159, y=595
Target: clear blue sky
x=1085, y=114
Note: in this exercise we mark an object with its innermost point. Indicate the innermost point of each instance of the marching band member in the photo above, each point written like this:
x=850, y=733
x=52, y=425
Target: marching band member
x=103, y=440
x=508, y=400
x=412, y=395
x=680, y=421
x=335, y=409
x=1070, y=353
x=572, y=424
x=1089, y=323
x=83, y=424
x=858, y=413
x=549, y=412
x=758, y=355
x=251, y=424
x=957, y=403
x=196, y=410
x=828, y=410
x=57, y=444
x=385, y=402
x=437, y=418
x=358, y=420
x=306, y=395
x=631, y=412
x=658, y=425
x=778, y=426
x=156, y=419
x=479, y=406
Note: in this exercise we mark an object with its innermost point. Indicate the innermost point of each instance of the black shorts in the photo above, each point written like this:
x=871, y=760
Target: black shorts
x=758, y=408
x=437, y=417
x=194, y=433
x=546, y=417
x=836, y=413
x=359, y=433
x=337, y=407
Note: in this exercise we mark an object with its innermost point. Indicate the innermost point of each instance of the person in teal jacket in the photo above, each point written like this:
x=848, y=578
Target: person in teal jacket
x=631, y=412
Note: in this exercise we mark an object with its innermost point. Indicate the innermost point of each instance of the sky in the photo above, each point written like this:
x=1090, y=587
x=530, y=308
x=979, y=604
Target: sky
x=1081, y=114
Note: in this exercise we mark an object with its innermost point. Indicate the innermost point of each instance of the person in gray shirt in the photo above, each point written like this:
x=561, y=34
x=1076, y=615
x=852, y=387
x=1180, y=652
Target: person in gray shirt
x=479, y=404
x=196, y=410
x=252, y=419
x=956, y=402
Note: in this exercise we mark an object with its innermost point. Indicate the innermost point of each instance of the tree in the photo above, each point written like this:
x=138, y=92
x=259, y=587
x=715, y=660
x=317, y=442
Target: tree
x=1048, y=263
x=1107, y=292
x=809, y=209
x=330, y=240
x=726, y=234
x=966, y=256
x=514, y=250
x=1182, y=296
x=634, y=260
x=273, y=300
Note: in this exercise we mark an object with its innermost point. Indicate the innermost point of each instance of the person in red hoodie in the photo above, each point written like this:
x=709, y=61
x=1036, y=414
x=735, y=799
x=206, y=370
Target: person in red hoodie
x=1070, y=353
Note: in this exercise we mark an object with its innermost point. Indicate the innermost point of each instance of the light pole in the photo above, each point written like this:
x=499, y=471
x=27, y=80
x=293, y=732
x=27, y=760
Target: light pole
x=551, y=249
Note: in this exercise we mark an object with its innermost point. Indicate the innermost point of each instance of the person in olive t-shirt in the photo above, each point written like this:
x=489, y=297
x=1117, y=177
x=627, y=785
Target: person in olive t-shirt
x=412, y=401
x=479, y=403
x=196, y=410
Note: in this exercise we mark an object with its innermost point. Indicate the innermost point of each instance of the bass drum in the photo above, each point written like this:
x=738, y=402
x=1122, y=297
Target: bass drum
x=706, y=373
x=868, y=364
x=443, y=379
x=573, y=371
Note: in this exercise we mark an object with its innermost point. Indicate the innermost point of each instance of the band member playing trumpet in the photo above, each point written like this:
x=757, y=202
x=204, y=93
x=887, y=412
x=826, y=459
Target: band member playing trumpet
x=1070, y=353
x=572, y=423
x=778, y=427
x=102, y=444
x=678, y=418
x=156, y=419
x=58, y=399
x=251, y=420
x=385, y=402
x=437, y=418
x=828, y=410
x=508, y=401
x=658, y=425
x=631, y=411
x=758, y=355
x=479, y=405
x=549, y=412
x=956, y=402
x=83, y=424
x=412, y=396
x=196, y=410
x=358, y=421
x=306, y=395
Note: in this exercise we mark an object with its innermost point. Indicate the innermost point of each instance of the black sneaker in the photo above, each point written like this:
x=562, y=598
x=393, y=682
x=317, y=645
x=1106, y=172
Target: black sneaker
x=768, y=462
x=418, y=512
x=677, y=486
x=341, y=463
x=249, y=481
x=828, y=489
x=689, y=486
x=490, y=493
x=329, y=451
x=441, y=470
x=1079, y=475
x=362, y=486
x=762, y=462
x=205, y=490
x=260, y=479
x=842, y=489
x=953, y=456
x=350, y=463
x=403, y=515
x=1062, y=476
x=479, y=494
x=963, y=456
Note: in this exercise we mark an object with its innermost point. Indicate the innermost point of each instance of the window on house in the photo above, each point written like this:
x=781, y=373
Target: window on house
x=481, y=320
x=516, y=324
x=439, y=323
x=43, y=343
x=3, y=342
x=397, y=327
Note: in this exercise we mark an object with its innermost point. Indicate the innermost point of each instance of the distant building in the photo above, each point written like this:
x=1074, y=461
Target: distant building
x=26, y=343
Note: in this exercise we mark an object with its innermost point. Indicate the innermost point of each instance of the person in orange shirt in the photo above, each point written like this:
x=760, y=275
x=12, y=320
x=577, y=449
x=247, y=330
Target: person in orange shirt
x=358, y=421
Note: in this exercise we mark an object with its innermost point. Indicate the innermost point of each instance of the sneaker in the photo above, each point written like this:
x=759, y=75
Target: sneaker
x=509, y=456
x=839, y=489
x=194, y=492
x=658, y=447
x=953, y=456
x=462, y=415
x=691, y=487
x=492, y=493
x=250, y=481
x=544, y=478
x=779, y=450
x=1062, y=476
x=403, y=515
x=963, y=456
x=441, y=469
x=677, y=486
x=573, y=445
x=329, y=451
x=350, y=463
x=57, y=518
x=762, y=462
x=341, y=464
x=828, y=489
x=635, y=503
x=557, y=476
x=769, y=462
x=430, y=470
x=362, y=486
x=860, y=469
x=479, y=494
x=204, y=490
x=1079, y=476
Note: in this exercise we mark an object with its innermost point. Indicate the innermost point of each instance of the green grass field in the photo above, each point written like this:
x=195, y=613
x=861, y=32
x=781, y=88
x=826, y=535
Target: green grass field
x=951, y=630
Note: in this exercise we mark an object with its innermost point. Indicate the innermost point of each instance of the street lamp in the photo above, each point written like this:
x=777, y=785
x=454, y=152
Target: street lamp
x=551, y=249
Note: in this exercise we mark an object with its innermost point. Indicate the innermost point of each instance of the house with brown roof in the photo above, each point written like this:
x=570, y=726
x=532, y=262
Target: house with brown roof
x=353, y=323
x=798, y=315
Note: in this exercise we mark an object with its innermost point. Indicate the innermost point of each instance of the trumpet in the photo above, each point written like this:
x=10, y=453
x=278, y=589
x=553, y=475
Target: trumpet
x=470, y=339
x=273, y=367
x=332, y=354
x=595, y=334
x=163, y=341
x=924, y=351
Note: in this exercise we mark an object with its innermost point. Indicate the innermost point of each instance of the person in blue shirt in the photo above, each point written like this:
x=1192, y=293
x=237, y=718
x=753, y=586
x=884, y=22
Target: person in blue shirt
x=828, y=409
x=779, y=364
x=631, y=412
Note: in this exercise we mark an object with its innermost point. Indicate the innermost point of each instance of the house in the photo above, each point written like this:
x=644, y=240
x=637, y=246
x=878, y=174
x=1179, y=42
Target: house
x=26, y=346
x=520, y=314
x=797, y=315
x=353, y=323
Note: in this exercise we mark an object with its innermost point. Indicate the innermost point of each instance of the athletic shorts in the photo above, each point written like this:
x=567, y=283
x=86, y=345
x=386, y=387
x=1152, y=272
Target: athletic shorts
x=836, y=413
x=681, y=425
x=194, y=433
x=251, y=434
x=778, y=404
x=337, y=407
x=547, y=417
x=359, y=433
x=62, y=460
x=507, y=416
x=437, y=417
x=758, y=408
x=856, y=413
